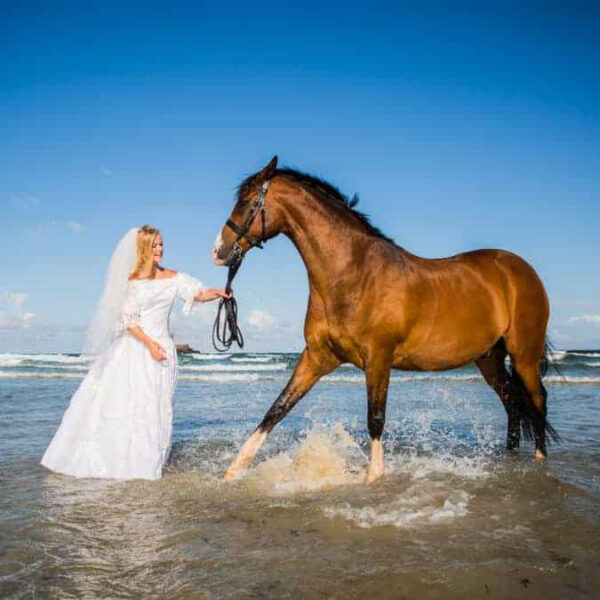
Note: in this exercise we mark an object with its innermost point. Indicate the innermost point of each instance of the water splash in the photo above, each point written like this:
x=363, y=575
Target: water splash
x=422, y=503
x=324, y=459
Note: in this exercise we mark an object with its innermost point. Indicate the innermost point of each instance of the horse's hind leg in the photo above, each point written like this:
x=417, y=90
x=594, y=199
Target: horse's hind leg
x=308, y=371
x=534, y=409
x=493, y=369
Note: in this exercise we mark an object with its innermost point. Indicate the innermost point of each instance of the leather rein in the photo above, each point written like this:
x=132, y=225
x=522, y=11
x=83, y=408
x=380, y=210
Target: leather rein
x=226, y=330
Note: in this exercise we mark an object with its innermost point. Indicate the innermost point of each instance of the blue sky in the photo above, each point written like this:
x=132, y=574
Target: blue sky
x=459, y=127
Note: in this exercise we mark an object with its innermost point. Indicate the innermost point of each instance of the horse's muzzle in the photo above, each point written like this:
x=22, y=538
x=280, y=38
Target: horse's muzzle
x=224, y=255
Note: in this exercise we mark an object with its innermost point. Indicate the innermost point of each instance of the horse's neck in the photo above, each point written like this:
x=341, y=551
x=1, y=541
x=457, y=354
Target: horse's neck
x=327, y=240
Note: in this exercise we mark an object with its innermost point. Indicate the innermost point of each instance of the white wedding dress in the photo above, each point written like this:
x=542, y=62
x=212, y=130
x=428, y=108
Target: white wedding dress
x=119, y=421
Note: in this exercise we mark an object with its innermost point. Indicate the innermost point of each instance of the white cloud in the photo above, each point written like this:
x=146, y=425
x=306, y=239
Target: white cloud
x=265, y=333
x=14, y=299
x=25, y=202
x=15, y=317
x=10, y=321
x=41, y=228
x=46, y=227
x=590, y=319
x=582, y=331
x=261, y=319
x=75, y=227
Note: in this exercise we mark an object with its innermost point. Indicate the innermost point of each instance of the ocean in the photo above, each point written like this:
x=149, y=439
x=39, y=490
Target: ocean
x=455, y=516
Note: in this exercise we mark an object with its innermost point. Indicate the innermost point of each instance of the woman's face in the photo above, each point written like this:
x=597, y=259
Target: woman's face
x=157, y=249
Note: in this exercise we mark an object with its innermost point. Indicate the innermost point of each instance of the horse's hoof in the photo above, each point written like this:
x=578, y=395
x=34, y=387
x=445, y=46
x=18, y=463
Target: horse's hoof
x=230, y=475
x=540, y=456
x=373, y=477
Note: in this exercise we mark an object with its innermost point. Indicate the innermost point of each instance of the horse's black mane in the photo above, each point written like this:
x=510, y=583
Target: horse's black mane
x=324, y=190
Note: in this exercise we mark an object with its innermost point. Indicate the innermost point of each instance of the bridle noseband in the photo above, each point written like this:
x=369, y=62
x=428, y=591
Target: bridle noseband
x=242, y=232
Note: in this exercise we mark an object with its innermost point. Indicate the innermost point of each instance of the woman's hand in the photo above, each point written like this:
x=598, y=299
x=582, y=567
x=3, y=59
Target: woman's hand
x=224, y=294
x=212, y=294
x=156, y=351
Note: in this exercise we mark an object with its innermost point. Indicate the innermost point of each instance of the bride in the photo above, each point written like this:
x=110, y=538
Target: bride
x=118, y=423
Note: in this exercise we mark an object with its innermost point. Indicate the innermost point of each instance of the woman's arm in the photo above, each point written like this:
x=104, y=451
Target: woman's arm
x=156, y=350
x=210, y=294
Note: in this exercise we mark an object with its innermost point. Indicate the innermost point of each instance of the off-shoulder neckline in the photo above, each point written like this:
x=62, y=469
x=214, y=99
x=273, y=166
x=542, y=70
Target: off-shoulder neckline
x=158, y=278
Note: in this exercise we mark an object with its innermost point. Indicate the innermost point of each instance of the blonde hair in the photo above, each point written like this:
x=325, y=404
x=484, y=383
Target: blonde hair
x=144, y=265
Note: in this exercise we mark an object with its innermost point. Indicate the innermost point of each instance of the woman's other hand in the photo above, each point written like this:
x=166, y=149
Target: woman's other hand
x=157, y=351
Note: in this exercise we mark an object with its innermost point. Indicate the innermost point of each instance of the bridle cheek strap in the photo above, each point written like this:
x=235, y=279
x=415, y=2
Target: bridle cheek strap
x=259, y=206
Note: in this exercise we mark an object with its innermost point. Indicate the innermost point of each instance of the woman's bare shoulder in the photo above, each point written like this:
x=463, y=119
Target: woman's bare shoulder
x=169, y=274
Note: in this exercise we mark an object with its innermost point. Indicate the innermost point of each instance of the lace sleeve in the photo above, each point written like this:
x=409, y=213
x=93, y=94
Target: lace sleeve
x=187, y=289
x=130, y=317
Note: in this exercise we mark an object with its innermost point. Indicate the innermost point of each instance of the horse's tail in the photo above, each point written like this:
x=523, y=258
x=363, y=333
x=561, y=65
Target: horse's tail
x=527, y=410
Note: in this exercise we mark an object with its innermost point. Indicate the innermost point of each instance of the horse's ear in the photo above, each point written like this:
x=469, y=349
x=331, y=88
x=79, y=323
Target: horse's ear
x=268, y=171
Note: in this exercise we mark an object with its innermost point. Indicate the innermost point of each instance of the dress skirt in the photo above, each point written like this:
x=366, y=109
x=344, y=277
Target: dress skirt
x=119, y=421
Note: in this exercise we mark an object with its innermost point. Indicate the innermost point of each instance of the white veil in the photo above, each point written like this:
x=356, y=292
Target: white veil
x=103, y=327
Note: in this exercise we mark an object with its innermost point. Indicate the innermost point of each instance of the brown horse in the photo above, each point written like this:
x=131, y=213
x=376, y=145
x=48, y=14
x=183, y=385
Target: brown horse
x=379, y=307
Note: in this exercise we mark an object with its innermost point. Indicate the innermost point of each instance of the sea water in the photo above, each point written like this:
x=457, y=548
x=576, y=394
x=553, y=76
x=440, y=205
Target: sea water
x=455, y=516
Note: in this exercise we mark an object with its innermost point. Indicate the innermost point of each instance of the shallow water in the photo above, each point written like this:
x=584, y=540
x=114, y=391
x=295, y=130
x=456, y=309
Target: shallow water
x=454, y=517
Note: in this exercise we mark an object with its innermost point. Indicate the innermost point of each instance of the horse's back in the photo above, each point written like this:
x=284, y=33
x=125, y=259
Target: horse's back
x=455, y=309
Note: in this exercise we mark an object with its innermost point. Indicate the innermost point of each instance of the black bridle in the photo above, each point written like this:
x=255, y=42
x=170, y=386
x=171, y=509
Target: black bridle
x=226, y=330
x=242, y=232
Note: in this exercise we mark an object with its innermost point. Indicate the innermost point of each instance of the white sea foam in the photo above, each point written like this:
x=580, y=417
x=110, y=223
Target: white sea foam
x=360, y=378
x=423, y=467
x=237, y=367
x=557, y=355
x=58, y=367
x=13, y=365
x=586, y=354
x=254, y=359
x=572, y=379
x=39, y=375
x=198, y=356
x=226, y=377
x=205, y=377
x=49, y=358
x=10, y=362
x=434, y=493
x=422, y=503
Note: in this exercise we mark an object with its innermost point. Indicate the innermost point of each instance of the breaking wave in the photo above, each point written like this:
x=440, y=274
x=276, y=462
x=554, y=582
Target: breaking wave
x=17, y=359
x=237, y=367
x=198, y=356
x=255, y=359
x=39, y=375
x=225, y=377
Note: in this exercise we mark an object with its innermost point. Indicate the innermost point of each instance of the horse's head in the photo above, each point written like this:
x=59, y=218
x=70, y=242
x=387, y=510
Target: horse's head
x=253, y=220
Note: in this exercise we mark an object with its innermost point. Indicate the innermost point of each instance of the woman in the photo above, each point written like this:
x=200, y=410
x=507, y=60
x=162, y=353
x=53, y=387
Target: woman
x=118, y=423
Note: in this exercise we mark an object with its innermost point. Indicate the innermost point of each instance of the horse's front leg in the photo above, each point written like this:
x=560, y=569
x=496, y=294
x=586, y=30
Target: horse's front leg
x=310, y=368
x=378, y=377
